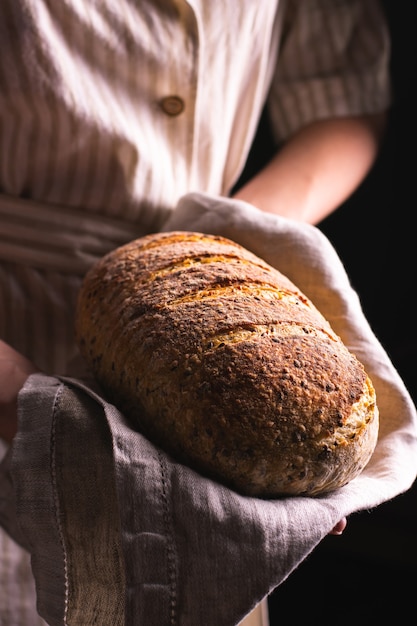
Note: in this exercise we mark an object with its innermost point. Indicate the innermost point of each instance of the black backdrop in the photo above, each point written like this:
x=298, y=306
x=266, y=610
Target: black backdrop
x=369, y=574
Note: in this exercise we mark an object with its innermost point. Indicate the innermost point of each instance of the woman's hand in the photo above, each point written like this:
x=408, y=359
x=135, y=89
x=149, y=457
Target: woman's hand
x=340, y=527
x=14, y=370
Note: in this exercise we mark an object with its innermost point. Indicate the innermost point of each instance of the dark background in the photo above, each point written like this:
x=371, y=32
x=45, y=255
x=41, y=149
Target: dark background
x=369, y=574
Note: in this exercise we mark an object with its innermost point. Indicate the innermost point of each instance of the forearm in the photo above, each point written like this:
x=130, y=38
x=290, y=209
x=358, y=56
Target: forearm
x=318, y=169
x=14, y=370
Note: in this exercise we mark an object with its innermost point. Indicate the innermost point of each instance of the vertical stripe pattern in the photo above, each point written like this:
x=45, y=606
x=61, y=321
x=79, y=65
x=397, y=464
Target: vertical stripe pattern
x=333, y=62
x=82, y=85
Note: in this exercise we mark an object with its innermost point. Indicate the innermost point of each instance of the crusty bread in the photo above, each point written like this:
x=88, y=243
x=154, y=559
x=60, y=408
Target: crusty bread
x=220, y=360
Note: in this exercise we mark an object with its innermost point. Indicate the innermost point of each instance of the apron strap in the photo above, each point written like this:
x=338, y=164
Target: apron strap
x=56, y=237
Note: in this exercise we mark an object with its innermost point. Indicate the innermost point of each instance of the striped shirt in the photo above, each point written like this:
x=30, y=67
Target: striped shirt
x=111, y=111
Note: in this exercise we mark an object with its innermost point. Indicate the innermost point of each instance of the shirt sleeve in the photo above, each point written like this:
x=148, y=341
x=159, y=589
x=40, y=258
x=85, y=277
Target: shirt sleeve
x=333, y=61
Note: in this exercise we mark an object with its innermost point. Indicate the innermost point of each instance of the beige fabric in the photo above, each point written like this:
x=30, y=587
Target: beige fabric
x=82, y=84
x=258, y=616
x=57, y=237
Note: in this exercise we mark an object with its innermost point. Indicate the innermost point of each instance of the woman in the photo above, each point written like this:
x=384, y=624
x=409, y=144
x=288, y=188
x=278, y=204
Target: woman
x=111, y=112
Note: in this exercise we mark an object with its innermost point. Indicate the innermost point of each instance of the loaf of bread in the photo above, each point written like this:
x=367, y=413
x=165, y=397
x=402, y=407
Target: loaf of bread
x=222, y=362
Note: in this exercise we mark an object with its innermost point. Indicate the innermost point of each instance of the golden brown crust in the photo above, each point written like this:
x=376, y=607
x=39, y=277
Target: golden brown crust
x=224, y=363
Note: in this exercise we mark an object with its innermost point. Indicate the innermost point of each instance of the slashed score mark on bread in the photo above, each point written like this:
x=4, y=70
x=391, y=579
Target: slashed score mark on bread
x=219, y=359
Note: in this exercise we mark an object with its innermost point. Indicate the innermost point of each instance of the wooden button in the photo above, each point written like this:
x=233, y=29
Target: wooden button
x=172, y=105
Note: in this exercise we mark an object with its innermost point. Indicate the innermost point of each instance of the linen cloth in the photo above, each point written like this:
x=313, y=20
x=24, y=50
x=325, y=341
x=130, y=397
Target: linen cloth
x=122, y=534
